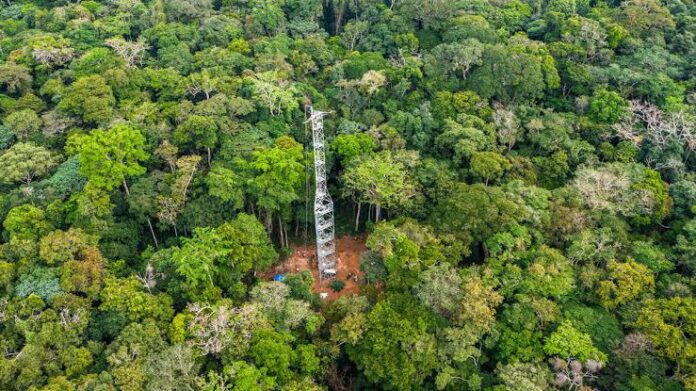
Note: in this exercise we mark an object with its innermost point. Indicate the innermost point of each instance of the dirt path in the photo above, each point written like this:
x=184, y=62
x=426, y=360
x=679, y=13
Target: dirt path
x=348, y=249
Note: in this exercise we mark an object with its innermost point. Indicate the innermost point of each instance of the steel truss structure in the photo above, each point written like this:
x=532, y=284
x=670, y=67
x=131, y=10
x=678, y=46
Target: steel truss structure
x=323, y=204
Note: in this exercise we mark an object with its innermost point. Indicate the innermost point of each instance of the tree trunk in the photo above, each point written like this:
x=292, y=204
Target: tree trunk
x=176, y=233
x=152, y=232
x=337, y=22
x=357, y=217
x=149, y=222
x=378, y=212
x=210, y=156
x=269, y=224
x=280, y=232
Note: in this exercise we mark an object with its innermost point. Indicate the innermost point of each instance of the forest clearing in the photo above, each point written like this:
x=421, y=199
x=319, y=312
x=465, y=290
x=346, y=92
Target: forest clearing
x=348, y=195
x=349, y=249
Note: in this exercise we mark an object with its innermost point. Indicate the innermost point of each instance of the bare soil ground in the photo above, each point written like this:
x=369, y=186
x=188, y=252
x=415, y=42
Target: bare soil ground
x=348, y=250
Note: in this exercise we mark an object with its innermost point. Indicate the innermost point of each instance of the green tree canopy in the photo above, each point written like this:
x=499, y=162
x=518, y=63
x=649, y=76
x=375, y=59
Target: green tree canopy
x=108, y=157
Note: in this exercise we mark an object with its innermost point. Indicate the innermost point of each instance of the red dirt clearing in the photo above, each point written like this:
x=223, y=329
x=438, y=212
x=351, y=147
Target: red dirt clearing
x=348, y=251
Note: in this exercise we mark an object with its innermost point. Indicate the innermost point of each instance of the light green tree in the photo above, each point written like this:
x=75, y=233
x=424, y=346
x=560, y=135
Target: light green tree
x=489, y=165
x=273, y=92
x=398, y=349
x=379, y=180
x=24, y=162
x=567, y=342
x=226, y=184
x=222, y=256
x=91, y=98
x=276, y=179
x=23, y=123
x=625, y=282
x=15, y=78
x=669, y=324
x=521, y=376
x=200, y=131
x=108, y=157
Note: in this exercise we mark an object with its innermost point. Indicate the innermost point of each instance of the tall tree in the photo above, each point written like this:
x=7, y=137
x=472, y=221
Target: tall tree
x=397, y=349
x=109, y=157
x=379, y=180
x=200, y=131
x=276, y=179
x=91, y=98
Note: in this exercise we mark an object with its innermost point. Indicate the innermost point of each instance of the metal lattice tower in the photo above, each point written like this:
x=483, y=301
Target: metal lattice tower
x=323, y=205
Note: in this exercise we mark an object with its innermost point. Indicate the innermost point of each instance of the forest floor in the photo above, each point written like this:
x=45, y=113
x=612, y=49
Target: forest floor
x=349, y=249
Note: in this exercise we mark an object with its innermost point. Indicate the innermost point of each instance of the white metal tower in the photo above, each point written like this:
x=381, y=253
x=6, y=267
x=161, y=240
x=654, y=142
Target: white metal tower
x=323, y=205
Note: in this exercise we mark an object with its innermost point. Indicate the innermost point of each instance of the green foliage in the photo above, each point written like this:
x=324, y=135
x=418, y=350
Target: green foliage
x=651, y=255
x=683, y=195
x=337, y=285
x=349, y=146
x=223, y=255
x=108, y=157
x=603, y=326
x=226, y=185
x=474, y=213
x=461, y=141
x=397, y=349
x=518, y=176
x=455, y=59
x=90, y=98
x=24, y=162
x=7, y=137
x=507, y=76
x=381, y=180
x=273, y=92
x=519, y=334
x=568, y=342
x=23, y=123
x=489, y=165
x=373, y=266
x=662, y=203
x=278, y=174
x=626, y=281
x=15, y=78
x=26, y=221
x=65, y=181
x=42, y=282
x=406, y=250
x=607, y=106
x=667, y=323
x=197, y=130
x=62, y=246
x=685, y=245
x=549, y=274
x=271, y=350
x=126, y=296
x=524, y=377
x=95, y=61
x=246, y=376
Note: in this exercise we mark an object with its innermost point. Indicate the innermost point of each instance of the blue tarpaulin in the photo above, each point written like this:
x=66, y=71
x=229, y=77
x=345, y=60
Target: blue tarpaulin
x=279, y=277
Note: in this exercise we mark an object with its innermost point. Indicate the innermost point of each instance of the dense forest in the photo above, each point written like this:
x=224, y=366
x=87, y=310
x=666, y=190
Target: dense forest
x=523, y=174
